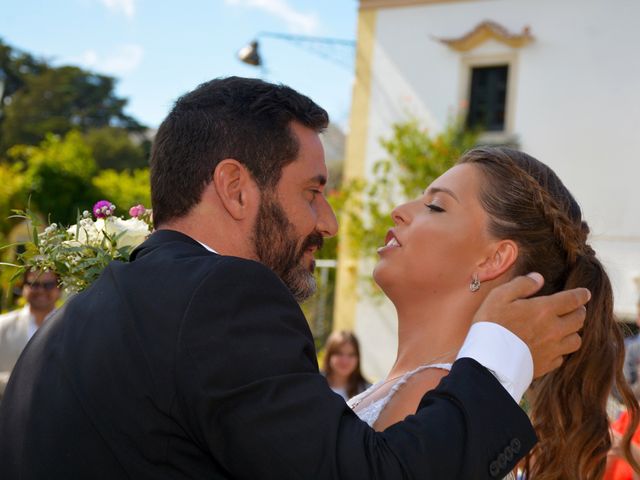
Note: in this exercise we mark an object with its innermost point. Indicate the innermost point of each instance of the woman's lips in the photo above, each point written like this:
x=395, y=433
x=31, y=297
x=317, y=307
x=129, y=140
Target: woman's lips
x=391, y=241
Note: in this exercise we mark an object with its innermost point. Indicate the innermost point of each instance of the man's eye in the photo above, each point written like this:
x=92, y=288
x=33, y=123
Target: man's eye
x=434, y=208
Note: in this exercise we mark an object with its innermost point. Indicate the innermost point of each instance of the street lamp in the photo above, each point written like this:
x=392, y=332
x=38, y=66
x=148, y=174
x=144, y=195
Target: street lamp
x=327, y=48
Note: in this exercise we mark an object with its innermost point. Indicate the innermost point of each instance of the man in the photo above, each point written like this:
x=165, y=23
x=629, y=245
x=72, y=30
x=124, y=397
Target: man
x=195, y=360
x=41, y=292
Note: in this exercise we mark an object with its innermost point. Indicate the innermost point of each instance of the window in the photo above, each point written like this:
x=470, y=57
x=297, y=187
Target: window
x=488, y=98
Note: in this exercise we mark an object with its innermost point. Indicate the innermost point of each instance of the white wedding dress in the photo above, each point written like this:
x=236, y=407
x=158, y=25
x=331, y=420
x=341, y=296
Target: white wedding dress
x=370, y=412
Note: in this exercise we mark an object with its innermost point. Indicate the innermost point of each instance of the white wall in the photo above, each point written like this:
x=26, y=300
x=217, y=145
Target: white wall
x=576, y=108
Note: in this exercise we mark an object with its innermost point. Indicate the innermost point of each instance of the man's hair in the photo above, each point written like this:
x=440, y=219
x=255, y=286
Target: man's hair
x=241, y=118
x=29, y=271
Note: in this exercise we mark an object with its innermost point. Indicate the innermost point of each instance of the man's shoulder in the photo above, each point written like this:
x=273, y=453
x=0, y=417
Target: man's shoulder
x=241, y=274
x=184, y=260
x=11, y=315
x=182, y=249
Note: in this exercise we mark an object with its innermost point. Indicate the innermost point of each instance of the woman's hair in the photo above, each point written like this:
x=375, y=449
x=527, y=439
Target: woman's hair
x=527, y=203
x=334, y=343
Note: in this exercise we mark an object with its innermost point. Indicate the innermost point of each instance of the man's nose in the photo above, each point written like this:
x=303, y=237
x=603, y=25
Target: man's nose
x=327, y=222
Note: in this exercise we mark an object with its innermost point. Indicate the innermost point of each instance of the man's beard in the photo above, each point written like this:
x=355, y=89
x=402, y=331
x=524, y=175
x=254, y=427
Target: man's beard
x=276, y=246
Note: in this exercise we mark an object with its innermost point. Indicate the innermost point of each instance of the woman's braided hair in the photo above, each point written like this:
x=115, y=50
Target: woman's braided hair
x=528, y=203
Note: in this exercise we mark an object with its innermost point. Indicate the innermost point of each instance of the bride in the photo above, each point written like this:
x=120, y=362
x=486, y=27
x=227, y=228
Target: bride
x=499, y=213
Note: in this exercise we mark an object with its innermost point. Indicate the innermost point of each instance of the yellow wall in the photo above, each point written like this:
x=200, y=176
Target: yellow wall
x=347, y=275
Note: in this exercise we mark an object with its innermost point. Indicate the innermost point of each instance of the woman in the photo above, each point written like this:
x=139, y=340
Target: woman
x=500, y=213
x=341, y=365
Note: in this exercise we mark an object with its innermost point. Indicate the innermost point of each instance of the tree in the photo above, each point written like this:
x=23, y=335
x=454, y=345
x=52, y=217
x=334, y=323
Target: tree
x=58, y=175
x=117, y=148
x=57, y=100
x=12, y=195
x=124, y=189
x=14, y=67
x=39, y=98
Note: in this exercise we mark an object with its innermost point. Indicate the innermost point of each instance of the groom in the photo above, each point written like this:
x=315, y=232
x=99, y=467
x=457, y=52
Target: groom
x=195, y=361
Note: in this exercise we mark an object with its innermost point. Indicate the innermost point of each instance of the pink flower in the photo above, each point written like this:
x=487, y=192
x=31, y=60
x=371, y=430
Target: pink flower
x=103, y=209
x=137, y=210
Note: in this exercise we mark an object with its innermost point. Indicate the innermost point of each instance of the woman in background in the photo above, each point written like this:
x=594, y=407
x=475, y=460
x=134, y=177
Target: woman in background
x=341, y=365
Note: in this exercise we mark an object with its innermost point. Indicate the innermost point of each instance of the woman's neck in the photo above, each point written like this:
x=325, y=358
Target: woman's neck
x=338, y=381
x=431, y=331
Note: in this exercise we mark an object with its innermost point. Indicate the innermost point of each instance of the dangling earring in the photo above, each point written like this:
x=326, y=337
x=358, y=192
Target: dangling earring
x=474, y=286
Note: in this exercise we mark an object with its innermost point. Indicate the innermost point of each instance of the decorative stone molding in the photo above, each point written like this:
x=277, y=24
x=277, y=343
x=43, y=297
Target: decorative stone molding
x=488, y=30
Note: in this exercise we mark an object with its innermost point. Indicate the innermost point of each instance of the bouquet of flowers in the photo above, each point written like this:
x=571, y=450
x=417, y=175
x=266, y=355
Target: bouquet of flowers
x=79, y=253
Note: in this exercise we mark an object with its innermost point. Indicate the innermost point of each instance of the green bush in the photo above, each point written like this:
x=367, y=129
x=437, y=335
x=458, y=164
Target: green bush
x=124, y=189
x=116, y=148
x=58, y=175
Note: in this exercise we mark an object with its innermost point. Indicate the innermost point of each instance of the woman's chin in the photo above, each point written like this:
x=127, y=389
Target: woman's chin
x=381, y=277
x=376, y=273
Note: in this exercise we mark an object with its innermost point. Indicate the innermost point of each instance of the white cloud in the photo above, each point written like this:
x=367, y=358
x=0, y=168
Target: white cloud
x=296, y=21
x=126, y=7
x=124, y=59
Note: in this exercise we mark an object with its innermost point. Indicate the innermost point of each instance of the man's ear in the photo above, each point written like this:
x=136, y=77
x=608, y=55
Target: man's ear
x=503, y=255
x=234, y=185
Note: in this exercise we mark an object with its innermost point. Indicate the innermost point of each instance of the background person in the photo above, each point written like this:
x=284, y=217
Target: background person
x=618, y=467
x=632, y=358
x=341, y=365
x=41, y=292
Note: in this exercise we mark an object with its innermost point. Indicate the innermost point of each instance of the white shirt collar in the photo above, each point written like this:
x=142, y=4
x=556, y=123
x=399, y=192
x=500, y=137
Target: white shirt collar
x=31, y=324
x=207, y=247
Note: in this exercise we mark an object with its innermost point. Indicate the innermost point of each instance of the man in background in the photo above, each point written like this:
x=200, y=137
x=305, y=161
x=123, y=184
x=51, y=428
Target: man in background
x=41, y=292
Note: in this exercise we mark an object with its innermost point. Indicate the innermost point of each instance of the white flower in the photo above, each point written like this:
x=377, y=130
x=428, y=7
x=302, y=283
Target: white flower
x=131, y=232
x=71, y=243
x=50, y=230
x=88, y=232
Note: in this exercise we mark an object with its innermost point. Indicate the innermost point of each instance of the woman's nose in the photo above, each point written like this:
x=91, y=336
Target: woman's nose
x=402, y=213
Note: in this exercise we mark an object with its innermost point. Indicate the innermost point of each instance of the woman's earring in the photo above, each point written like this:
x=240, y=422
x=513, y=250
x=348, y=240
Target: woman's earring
x=474, y=286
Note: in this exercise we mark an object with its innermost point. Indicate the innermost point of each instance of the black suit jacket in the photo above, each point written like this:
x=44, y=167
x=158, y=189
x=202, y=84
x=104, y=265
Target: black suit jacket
x=187, y=364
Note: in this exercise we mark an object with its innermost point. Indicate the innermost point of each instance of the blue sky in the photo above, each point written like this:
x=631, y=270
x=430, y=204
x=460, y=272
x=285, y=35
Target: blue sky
x=159, y=49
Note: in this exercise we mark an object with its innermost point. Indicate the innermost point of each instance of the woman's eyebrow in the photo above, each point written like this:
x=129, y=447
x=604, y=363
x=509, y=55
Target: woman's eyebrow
x=433, y=190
